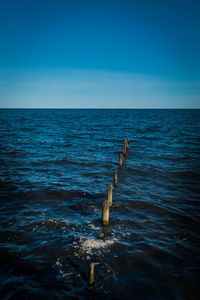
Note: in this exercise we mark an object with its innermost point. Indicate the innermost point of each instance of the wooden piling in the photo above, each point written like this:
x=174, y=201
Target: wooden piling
x=124, y=147
x=101, y=235
x=121, y=158
x=91, y=274
x=105, y=212
x=115, y=177
x=109, y=194
x=127, y=144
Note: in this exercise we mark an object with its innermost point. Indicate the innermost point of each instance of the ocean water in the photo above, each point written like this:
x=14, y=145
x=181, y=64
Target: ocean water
x=55, y=167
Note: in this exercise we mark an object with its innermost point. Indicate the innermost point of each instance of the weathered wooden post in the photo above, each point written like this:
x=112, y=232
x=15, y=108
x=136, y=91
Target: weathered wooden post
x=121, y=158
x=91, y=274
x=115, y=177
x=101, y=235
x=105, y=212
x=109, y=194
x=128, y=140
x=124, y=147
x=127, y=145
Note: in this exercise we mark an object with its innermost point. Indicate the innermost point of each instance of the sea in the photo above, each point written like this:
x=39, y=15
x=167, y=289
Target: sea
x=55, y=165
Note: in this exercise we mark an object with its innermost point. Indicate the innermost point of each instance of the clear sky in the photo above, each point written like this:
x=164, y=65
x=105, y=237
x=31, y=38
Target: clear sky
x=127, y=54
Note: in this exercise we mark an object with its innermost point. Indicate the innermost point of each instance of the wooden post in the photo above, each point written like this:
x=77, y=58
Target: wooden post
x=101, y=235
x=105, y=212
x=109, y=194
x=127, y=146
x=115, y=177
x=124, y=147
x=121, y=158
x=91, y=274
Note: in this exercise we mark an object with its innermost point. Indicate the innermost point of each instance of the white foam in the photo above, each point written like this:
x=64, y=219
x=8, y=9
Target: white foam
x=96, y=228
x=92, y=244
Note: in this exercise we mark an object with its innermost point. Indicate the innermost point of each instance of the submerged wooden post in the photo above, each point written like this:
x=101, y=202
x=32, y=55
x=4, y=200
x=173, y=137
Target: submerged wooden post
x=115, y=177
x=124, y=147
x=109, y=194
x=101, y=235
x=105, y=212
x=128, y=140
x=91, y=274
x=127, y=144
x=121, y=158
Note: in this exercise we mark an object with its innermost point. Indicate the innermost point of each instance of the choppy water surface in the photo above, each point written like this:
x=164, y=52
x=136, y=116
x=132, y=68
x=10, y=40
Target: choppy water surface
x=55, y=167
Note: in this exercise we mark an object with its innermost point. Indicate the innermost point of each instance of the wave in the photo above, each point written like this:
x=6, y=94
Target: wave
x=62, y=162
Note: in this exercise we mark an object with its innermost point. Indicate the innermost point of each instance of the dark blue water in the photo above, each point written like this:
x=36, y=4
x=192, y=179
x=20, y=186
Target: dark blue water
x=55, y=167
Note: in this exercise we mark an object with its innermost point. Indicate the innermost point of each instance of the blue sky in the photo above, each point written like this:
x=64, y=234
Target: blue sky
x=131, y=54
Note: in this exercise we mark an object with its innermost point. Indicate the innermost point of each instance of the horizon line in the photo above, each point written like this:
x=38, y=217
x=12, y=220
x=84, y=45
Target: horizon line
x=130, y=108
